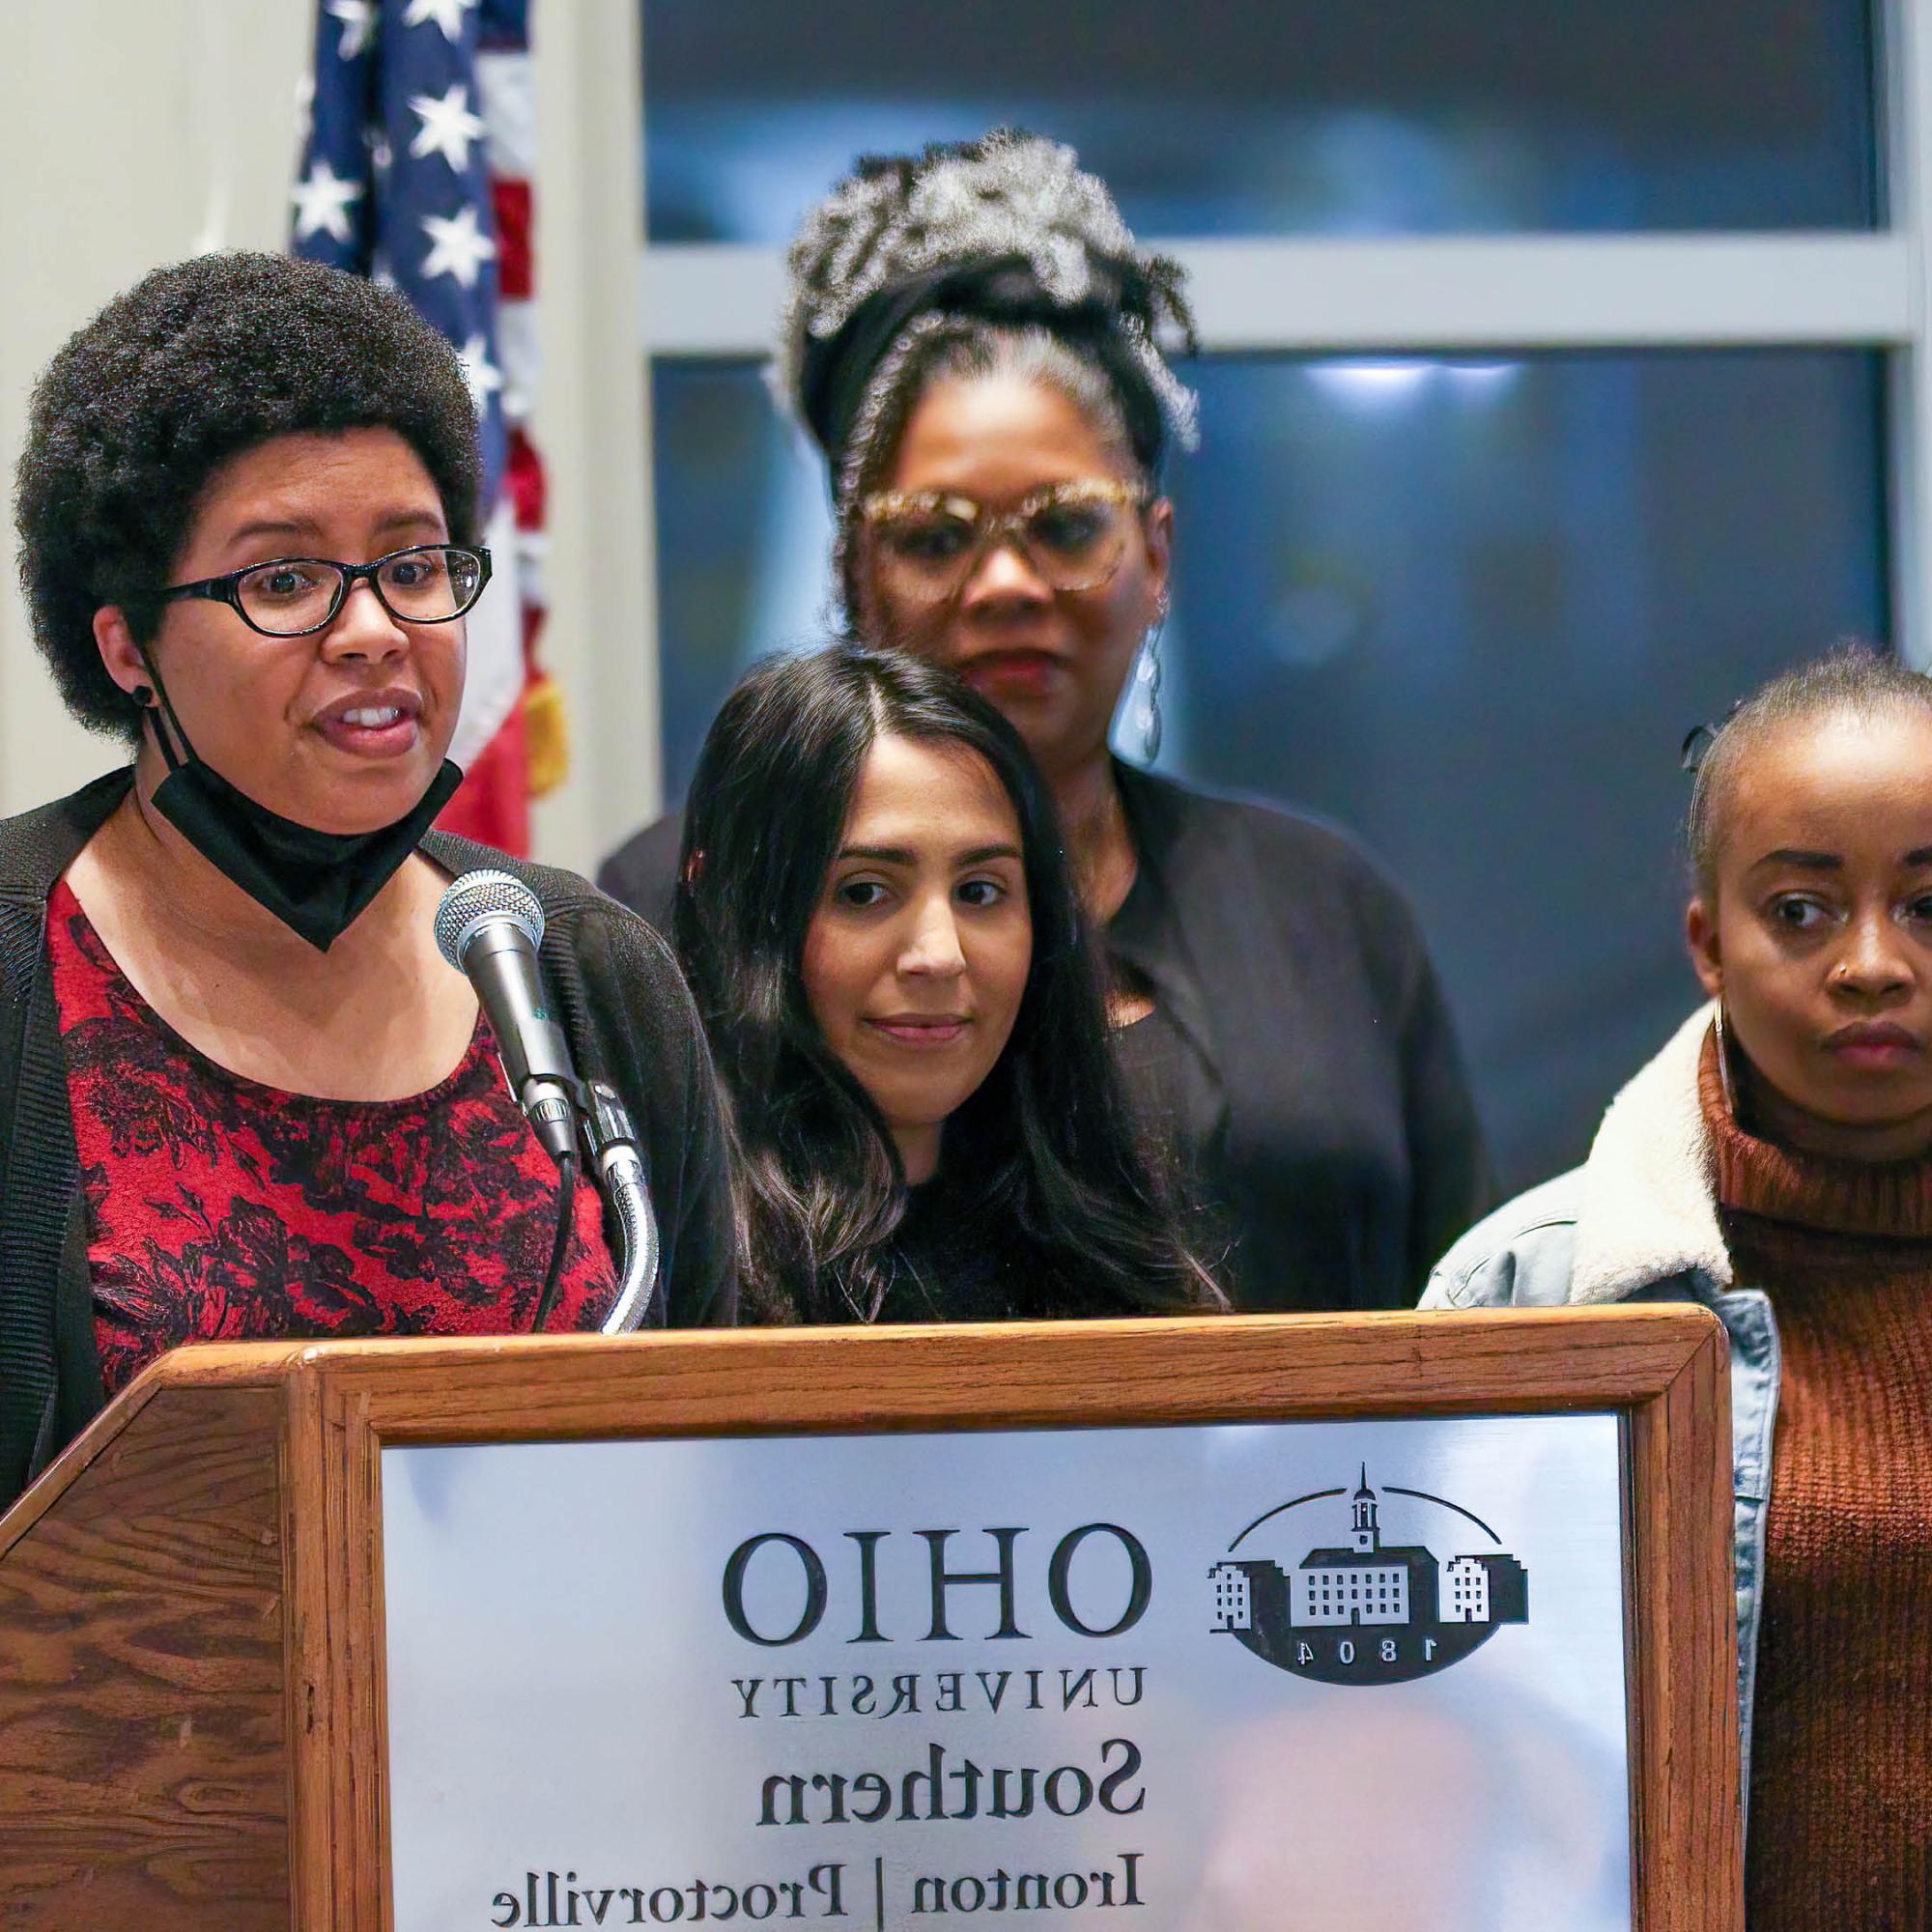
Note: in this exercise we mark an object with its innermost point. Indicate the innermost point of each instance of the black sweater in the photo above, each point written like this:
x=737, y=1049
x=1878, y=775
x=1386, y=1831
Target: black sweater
x=1324, y=1113
x=624, y=1009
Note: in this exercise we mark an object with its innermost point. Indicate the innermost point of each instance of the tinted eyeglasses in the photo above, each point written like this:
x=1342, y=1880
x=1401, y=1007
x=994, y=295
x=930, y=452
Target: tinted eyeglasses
x=926, y=543
x=292, y=596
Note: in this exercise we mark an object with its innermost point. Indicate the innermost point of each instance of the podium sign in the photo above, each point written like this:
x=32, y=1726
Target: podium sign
x=1381, y=1620
x=1218, y=1677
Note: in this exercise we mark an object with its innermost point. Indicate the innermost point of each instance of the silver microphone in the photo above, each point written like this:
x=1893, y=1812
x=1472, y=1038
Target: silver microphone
x=488, y=927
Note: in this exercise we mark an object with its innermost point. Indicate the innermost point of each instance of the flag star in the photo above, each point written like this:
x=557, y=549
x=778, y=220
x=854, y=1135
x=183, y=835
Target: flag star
x=482, y=375
x=449, y=127
x=358, y=25
x=323, y=202
x=458, y=248
x=304, y=108
x=446, y=14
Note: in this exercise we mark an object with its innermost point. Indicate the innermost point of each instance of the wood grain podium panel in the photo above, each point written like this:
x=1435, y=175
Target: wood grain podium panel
x=192, y=1728
x=143, y=1746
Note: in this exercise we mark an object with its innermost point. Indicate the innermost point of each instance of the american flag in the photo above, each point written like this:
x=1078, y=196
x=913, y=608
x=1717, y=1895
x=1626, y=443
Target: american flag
x=415, y=169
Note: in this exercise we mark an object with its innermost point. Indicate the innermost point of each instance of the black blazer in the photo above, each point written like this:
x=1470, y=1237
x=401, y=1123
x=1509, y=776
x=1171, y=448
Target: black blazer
x=623, y=1007
x=1348, y=1155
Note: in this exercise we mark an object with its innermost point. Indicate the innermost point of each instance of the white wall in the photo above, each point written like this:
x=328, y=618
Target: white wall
x=136, y=131
x=600, y=642
x=132, y=132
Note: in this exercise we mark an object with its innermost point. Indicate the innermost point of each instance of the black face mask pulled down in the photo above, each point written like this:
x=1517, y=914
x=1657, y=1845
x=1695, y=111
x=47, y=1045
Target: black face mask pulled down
x=316, y=883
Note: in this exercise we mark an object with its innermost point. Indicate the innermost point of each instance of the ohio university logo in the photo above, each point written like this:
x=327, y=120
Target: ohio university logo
x=1366, y=1612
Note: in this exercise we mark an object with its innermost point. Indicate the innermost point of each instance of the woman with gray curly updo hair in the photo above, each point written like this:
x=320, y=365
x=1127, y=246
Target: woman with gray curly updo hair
x=241, y=1095
x=974, y=341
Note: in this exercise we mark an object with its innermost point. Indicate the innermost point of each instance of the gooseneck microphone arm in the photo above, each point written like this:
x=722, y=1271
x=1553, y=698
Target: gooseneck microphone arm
x=490, y=926
x=620, y=1171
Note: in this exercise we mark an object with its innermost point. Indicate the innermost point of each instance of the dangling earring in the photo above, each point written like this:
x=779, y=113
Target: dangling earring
x=1724, y=1086
x=1148, y=674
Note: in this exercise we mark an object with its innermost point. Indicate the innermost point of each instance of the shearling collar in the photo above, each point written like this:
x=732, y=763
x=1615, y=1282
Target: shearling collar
x=1648, y=1209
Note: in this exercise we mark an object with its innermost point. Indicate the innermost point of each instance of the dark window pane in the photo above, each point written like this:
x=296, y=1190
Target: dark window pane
x=744, y=533
x=1469, y=610
x=1273, y=117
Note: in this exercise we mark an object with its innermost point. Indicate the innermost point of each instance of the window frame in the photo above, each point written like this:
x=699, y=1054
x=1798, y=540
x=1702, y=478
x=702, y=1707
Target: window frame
x=1530, y=293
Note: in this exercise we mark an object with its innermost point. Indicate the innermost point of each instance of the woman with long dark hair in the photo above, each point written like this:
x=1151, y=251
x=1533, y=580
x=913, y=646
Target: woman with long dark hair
x=877, y=922
x=973, y=338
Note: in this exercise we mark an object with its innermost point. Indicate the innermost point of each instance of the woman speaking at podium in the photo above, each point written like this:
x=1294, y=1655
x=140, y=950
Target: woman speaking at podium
x=241, y=1093
x=876, y=918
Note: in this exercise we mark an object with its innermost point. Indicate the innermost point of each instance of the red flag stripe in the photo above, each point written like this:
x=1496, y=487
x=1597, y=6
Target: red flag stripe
x=513, y=204
x=493, y=805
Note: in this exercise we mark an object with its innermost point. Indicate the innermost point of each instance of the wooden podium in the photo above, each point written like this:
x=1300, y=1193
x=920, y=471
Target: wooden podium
x=192, y=1697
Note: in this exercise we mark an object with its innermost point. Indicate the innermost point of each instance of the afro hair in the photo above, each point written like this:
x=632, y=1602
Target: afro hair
x=193, y=366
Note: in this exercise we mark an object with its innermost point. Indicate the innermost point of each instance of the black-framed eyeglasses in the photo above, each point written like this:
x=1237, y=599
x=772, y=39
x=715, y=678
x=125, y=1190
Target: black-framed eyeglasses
x=292, y=596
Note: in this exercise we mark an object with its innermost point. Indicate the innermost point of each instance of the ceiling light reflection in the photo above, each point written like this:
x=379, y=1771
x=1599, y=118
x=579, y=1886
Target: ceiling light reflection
x=1384, y=383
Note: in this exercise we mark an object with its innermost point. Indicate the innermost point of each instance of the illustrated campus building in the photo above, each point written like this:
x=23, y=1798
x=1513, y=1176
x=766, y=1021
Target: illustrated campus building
x=1368, y=1583
x=1249, y=1596
x=1489, y=1589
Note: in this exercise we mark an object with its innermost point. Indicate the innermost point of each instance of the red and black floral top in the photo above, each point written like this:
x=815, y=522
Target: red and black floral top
x=218, y=1208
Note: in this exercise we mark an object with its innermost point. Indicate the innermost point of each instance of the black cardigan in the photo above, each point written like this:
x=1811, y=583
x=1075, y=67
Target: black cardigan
x=1350, y=1154
x=624, y=1009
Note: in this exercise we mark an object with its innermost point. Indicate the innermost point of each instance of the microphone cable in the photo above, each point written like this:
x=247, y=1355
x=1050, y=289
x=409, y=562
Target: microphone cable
x=567, y=1220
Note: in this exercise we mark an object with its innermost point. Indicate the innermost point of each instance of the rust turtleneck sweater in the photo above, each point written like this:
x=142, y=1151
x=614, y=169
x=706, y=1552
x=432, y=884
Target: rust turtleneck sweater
x=1840, y=1836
